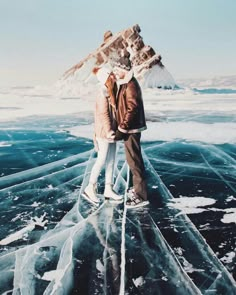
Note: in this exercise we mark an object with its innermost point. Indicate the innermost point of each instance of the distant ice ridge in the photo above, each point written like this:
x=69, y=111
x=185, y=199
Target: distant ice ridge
x=210, y=82
x=157, y=77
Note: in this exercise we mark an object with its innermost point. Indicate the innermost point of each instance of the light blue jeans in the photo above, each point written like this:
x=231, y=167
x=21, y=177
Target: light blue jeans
x=106, y=156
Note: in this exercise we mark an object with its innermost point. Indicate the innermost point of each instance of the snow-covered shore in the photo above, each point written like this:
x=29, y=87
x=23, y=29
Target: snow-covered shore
x=186, y=113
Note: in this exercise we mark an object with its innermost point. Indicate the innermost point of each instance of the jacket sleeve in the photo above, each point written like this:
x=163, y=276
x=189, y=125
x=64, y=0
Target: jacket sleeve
x=132, y=98
x=103, y=114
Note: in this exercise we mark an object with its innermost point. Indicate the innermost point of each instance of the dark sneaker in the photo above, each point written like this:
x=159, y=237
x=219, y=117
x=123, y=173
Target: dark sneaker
x=130, y=190
x=135, y=201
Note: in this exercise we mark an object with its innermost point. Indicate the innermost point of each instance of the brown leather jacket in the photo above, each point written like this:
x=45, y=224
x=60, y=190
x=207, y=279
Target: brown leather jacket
x=130, y=110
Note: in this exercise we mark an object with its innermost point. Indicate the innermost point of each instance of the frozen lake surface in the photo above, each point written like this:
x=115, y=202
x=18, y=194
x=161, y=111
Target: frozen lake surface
x=53, y=242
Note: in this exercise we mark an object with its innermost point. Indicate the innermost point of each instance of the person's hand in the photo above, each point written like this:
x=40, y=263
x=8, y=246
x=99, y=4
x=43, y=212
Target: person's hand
x=111, y=135
x=119, y=135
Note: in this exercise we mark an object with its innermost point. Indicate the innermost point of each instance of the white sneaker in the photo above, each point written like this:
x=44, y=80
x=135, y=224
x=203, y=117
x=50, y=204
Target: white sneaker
x=109, y=194
x=90, y=194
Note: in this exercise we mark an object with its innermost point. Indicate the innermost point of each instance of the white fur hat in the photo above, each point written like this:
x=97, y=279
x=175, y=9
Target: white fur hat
x=103, y=73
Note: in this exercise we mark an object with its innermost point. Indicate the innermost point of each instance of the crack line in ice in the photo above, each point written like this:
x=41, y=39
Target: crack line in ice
x=224, y=156
x=55, y=178
x=174, y=259
x=30, y=227
x=204, y=250
x=67, y=235
x=70, y=233
x=52, y=236
x=122, y=266
x=120, y=178
x=184, y=165
x=218, y=174
x=38, y=172
x=74, y=229
x=105, y=260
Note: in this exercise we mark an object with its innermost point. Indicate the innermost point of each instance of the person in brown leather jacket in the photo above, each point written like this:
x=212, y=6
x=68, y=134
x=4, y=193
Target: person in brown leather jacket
x=131, y=122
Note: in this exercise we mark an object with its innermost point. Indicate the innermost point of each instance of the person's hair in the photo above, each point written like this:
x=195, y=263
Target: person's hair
x=111, y=85
x=95, y=70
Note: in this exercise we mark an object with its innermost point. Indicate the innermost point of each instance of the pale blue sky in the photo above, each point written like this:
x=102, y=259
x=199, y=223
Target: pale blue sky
x=40, y=39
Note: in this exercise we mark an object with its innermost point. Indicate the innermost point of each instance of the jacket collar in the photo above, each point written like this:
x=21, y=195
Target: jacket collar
x=111, y=99
x=128, y=76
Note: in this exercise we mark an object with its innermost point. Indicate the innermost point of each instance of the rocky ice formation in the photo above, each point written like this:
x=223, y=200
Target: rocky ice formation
x=147, y=64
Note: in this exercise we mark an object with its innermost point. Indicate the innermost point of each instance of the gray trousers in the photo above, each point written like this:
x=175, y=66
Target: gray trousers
x=135, y=161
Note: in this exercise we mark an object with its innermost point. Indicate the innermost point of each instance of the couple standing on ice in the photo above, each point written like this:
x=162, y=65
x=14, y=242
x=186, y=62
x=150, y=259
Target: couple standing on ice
x=119, y=115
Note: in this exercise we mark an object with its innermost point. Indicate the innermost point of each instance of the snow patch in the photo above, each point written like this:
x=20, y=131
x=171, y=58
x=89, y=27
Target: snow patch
x=138, y=281
x=169, y=131
x=189, y=205
x=230, y=198
x=99, y=266
x=230, y=215
x=229, y=257
x=24, y=231
x=35, y=204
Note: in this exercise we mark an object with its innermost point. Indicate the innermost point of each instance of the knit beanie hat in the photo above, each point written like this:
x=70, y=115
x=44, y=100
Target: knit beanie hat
x=103, y=73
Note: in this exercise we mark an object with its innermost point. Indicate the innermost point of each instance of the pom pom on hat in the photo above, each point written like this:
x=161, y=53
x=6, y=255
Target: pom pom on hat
x=102, y=73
